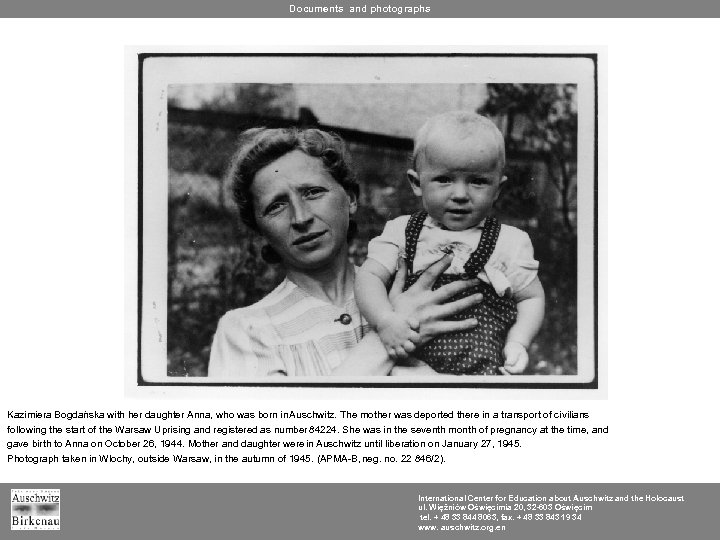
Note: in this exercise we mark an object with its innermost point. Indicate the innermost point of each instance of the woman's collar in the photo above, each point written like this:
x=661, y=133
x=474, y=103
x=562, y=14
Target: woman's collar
x=323, y=292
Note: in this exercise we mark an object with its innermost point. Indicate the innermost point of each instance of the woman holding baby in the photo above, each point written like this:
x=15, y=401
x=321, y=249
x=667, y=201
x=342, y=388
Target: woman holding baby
x=296, y=188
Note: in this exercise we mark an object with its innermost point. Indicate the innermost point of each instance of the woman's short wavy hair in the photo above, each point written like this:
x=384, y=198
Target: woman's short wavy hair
x=258, y=147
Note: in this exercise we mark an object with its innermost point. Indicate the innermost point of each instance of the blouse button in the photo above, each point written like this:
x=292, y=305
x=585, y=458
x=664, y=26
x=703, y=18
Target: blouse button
x=345, y=319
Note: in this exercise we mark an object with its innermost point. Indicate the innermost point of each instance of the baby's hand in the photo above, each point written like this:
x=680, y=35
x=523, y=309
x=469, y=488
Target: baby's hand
x=399, y=335
x=516, y=358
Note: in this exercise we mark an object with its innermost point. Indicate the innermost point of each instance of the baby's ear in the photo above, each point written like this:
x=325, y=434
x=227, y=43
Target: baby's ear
x=414, y=182
x=503, y=179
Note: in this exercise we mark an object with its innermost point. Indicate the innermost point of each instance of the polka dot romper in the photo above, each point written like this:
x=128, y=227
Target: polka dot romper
x=477, y=351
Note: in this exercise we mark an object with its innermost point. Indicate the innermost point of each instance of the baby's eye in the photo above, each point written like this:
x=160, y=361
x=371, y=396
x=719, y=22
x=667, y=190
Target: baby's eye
x=480, y=181
x=442, y=179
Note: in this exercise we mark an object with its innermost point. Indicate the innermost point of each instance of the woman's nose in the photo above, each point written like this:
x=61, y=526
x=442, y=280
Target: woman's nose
x=301, y=214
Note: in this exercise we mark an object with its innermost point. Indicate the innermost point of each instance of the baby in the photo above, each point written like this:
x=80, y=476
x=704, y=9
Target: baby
x=458, y=163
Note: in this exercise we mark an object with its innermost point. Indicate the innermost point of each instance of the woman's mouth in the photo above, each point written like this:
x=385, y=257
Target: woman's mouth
x=306, y=238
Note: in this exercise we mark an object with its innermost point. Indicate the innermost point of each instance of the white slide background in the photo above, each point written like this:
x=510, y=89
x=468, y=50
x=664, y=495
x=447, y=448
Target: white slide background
x=67, y=266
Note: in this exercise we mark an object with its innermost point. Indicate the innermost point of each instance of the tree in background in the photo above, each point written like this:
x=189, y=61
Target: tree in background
x=255, y=99
x=542, y=118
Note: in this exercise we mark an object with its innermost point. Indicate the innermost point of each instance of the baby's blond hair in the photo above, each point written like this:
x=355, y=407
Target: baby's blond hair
x=462, y=124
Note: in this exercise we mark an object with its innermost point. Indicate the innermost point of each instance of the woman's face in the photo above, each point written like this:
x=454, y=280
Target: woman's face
x=302, y=211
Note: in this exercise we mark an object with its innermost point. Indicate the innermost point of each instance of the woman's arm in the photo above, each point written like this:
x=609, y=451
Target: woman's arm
x=234, y=342
x=238, y=353
x=416, y=368
x=369, y=357
x=423, y=304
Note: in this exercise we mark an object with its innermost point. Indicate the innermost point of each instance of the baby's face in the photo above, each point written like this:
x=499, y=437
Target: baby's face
x=458, y=180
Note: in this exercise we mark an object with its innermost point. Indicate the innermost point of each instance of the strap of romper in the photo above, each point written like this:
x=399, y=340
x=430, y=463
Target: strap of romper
x=479, y=258
x=412, y=233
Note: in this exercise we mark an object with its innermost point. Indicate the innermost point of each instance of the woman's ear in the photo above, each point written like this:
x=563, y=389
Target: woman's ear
x=414, y=182
x=352, y=199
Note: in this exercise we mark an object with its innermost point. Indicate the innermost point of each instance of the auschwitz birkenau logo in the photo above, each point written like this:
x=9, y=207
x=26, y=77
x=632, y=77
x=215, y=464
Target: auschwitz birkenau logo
x=35, y=509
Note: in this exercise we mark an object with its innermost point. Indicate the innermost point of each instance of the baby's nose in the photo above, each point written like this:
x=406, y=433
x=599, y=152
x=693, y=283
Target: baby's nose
x=459, y=192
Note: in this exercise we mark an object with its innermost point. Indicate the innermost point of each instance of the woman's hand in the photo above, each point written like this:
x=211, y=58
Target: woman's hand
x=430, y=308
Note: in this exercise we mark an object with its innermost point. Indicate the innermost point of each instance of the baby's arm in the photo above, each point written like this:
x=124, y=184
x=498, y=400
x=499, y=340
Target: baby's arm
x=397, y=333
x=530, y=312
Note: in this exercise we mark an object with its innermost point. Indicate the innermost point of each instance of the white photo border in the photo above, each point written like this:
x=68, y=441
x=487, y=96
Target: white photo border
x=157, y=70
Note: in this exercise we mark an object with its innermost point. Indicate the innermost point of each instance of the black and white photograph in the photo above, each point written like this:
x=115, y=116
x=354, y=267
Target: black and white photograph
x=340, y=219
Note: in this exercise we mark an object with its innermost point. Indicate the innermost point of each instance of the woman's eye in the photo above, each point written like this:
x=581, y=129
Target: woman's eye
x=314, y=192
x=273, y=209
